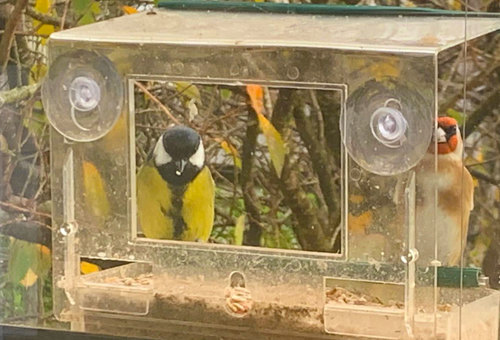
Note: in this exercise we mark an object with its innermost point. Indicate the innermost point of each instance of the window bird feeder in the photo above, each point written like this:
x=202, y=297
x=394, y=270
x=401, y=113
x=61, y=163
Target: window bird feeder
x=378, y=269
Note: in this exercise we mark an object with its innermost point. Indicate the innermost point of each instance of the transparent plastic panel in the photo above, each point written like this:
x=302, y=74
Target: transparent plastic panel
x=407, y=34
x=273, y=154
x=447, y=235
x=331, y=196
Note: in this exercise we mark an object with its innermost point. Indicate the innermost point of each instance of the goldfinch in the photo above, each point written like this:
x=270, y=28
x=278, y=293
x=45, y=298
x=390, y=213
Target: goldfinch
x=455, y=197
x=175, y=189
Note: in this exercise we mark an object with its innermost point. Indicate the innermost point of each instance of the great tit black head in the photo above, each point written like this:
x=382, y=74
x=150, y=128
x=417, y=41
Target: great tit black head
x=179, y=155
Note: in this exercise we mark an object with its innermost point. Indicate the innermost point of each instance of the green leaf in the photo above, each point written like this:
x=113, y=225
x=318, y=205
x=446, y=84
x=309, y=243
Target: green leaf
x=239, y=229
x=80, y=6
x=313, y=199
x=27, y=262
x=225, y=94
x=459, y=116
x=37, y=122
x=86, y=10
x=4, y=146
x=188, y=90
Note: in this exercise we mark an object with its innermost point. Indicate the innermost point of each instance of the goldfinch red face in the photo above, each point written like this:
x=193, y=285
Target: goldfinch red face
x=447, y=136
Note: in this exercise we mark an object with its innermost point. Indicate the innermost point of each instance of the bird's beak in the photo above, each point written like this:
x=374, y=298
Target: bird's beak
x=440, y=135
x=179, y=166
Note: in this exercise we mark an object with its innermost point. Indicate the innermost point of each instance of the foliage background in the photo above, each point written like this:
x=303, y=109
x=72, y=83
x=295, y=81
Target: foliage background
x=24, y=149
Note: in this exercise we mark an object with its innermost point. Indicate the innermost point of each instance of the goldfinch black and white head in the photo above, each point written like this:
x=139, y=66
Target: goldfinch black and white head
x=179, y=155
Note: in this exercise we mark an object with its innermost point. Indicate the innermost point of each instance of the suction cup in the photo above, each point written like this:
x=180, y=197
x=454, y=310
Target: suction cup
x=386, y=127
x=82, y=95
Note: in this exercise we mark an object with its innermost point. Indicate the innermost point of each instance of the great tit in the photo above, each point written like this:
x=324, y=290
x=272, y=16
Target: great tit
x=175, y=189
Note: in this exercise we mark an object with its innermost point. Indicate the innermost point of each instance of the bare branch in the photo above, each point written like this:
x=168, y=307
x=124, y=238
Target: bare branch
x=48, y=19
x=157, y=101
x=8, y=36
x=487, y=108
x=484, y=177
x=252, y=236
x=18, y=94
x=25, y=210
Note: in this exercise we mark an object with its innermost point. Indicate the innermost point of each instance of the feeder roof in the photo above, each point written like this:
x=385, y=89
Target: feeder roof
x=397, y=34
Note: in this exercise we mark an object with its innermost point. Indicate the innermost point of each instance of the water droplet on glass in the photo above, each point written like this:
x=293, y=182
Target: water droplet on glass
x=66, y=229
x=178, y=67
x=234, y=70
x=293, y=72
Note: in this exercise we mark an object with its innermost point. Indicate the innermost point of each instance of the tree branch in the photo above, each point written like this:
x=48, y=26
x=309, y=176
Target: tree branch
x=8, y=36
x=18, y=94
x=309, y=229
x=329, y=102
x=311, y=222
x=252, y=236
x=320, y=157
x=48, y=19
x=487, y=108
x=483, y=177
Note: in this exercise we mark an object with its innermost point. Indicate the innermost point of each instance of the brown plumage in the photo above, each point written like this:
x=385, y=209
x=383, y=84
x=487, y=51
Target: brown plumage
x=449, y=211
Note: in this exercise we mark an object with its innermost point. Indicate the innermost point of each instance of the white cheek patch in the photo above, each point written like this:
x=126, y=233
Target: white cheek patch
x=160, y=155
x=198, y=158
x=440, y=135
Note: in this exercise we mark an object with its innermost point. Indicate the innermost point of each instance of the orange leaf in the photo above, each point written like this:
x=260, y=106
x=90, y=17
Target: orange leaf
x=359, y=224
x=256, y=95
x=274, y=141
x=129, y=10
x=87, y=267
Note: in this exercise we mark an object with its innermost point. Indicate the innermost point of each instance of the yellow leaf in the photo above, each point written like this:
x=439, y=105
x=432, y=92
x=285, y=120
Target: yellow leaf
x=383, y=70
x=129, y=10
x=231, y=150
x=239, y=230
x=274, y=141
x=87, y=267
x=37, y=72
x=113, y=141
x=44, y=7
x=29, y=279
x=4, y=146
x=479, y=155
x=455, y=4
x=356, y=198
x=94, y=191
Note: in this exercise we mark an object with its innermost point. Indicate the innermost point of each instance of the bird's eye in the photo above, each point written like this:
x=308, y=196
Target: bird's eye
x=450, y=129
